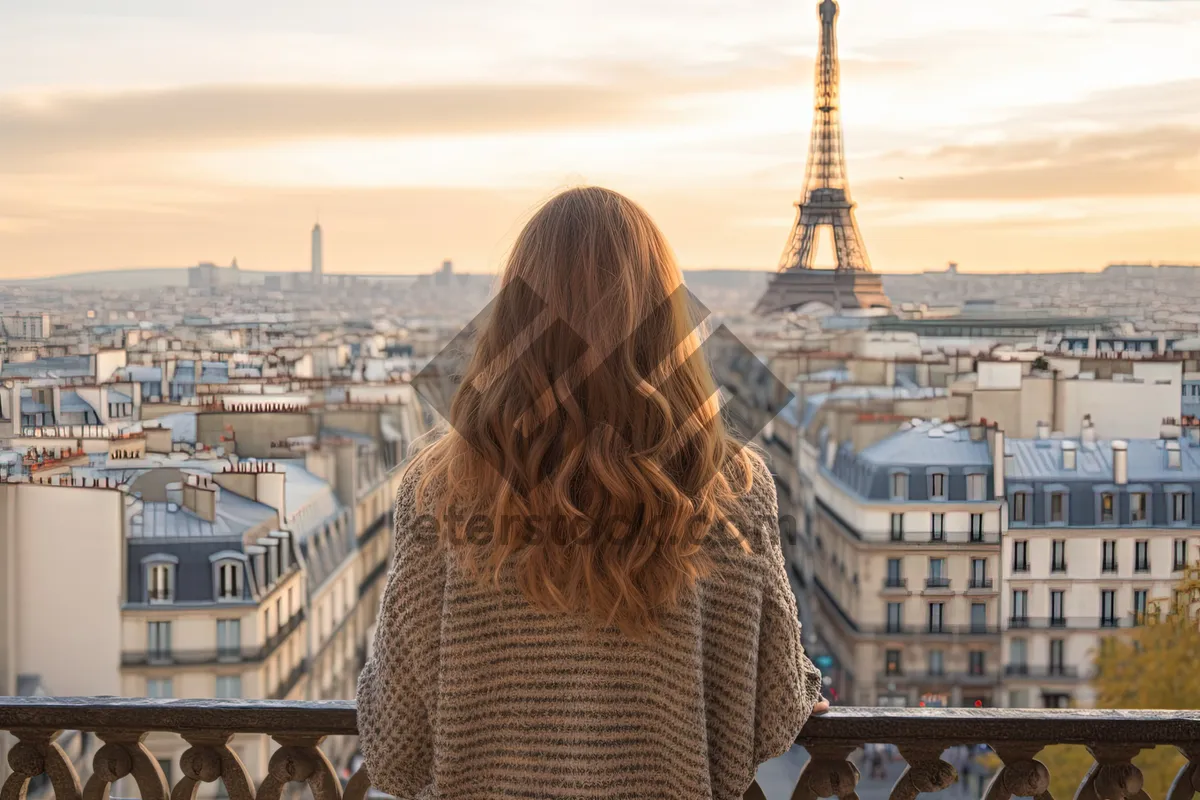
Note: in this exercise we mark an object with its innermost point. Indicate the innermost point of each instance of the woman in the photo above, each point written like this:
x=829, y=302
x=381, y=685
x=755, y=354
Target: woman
x=588, y=597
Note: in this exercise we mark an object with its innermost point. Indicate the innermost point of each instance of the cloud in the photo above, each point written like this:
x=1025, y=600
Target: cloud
x=1143, y=162
x=214, y=116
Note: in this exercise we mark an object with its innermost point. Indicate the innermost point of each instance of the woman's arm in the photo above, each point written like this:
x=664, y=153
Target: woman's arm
x=789, y=685
x=395, y=733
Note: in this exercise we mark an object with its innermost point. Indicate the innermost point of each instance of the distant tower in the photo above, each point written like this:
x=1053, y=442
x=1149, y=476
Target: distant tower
x=317, y=253
x=825, y=203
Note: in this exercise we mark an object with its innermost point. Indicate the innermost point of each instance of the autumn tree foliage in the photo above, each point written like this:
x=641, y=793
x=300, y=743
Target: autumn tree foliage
x=1149, y=667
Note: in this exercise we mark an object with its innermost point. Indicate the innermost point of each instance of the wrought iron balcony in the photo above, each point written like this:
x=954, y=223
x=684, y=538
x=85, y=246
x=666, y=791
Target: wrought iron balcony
x=922, y=735
x=937, y=582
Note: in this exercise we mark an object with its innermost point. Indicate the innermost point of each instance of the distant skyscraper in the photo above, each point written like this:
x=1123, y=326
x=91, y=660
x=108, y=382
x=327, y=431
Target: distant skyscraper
x=317, y=252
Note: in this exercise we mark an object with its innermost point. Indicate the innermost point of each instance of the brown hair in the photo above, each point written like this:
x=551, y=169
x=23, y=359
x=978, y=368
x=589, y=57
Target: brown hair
x=586, y=402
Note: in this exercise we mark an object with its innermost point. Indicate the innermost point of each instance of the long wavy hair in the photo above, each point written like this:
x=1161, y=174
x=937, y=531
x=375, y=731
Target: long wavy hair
x=585, y=449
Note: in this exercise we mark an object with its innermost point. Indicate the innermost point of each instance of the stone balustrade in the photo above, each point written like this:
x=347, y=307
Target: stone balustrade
x=1113, y=738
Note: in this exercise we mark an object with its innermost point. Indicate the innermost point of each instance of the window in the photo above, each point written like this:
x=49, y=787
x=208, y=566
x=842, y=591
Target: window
x=1058, y=555
x=1020, y=503
x=894, y=573
x=1180, y=560
x=159, y=688
x=279, y=615
x=158, y=640
x=979, y=573
x=897, y=527
x=1139, y=606
x=1018, y=656
x=1057, y=608
x=1141, y=556
x=937, y=662
x=937, y=615
x=899, y=485
x=1137, y=507
x=1179, y=506
x=1106, y=507
x=977, y=527
x=1108, y=556
x=978, y=617
x=937, y=574
x=1058, y=506
x=229, y=687
x=937, y=527
x=1056, y=657
x=895, y=617
x=229, y=580
x=229, y=638
x=1020, y=607
x=1108, y=613
x=975, y=486
x=1020, y=556
x=160, y=583
x=977, y=662
x=267, y=622
x=892, y=662
x=937, y=486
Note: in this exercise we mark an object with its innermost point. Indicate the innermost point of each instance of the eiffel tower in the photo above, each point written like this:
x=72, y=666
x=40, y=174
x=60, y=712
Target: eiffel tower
x=826, y=203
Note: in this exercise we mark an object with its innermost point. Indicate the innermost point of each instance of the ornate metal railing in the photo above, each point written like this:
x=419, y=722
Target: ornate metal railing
x=1113, y=738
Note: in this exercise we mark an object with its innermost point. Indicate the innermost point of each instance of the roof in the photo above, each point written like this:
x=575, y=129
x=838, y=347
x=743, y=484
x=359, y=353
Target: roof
x=309, y=499
x=182, y=425
x=927, y=444
x=1041, y=459
x=814, y=402
x=71, y=403
x=60, y=366
x=235, y=516
x=143, y=374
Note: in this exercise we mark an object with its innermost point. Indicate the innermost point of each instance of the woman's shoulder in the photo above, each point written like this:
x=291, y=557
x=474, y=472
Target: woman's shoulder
x=754, y=511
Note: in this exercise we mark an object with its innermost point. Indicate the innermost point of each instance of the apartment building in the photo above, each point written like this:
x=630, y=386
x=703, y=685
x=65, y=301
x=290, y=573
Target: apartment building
x=899, y=552
x=1098, y=530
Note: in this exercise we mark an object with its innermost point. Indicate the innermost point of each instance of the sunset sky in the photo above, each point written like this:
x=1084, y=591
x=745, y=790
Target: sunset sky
x=1001, y=134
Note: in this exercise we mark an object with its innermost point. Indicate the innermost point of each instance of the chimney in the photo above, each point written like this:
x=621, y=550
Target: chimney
x=1120, y=452
x=1043, y=430
x=998, y=462
x=976, y=430
x=200, y=497
x=1169, y=429
x=1087, y=431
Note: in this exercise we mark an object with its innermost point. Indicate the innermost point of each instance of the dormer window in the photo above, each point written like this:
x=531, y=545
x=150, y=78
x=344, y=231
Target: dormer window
x=976, y=486
x=937, y=486
x=229, y=580
x=1174, y=457
x=899, y=485
x=1069, y=455
x=160, y=578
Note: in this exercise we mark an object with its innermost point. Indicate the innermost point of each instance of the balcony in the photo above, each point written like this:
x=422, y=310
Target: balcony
x=895, y=584
x=1113, y=738
x=1052, y=672
x=937, y=583
x=165, y=657
x=981, y=585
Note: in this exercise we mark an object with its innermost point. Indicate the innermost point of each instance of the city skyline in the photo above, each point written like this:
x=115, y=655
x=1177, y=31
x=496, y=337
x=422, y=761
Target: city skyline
x=1003, y=136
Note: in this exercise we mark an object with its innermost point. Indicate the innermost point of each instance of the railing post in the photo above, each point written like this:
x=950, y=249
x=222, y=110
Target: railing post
x=37, y=751
x=1114, y=776
x=926, y=771
x=208, y=759
x=829, y=772
x=1021, y=776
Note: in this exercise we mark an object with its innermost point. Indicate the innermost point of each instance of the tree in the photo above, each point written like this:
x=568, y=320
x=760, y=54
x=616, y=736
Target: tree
x=1150, y=667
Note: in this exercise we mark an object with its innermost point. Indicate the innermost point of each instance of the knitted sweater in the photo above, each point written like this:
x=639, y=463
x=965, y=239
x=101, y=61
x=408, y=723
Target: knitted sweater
x=472, y=693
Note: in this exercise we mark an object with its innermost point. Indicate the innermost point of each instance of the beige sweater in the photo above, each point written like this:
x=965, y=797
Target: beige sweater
x=473, y=693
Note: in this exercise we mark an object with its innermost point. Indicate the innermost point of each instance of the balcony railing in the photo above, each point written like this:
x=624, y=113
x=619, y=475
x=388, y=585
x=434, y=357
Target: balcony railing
x=217, y=655
x=895, y=583
x=981, y=583
x=937, y=582
x=1051, y=671
x=1114, y=739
